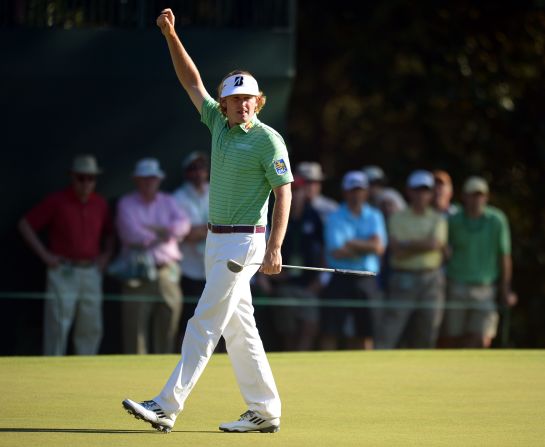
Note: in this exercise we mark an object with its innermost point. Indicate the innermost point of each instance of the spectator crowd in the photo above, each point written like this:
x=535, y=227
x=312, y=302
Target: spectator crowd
x=443, y=269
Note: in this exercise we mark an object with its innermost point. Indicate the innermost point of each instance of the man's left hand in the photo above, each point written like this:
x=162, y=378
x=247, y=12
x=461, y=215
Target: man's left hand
x=510, y=299
x=272, y=262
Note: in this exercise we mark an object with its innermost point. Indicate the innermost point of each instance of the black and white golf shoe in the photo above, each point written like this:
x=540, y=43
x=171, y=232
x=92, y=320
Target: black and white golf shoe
x=252, y=421
x=149, y=411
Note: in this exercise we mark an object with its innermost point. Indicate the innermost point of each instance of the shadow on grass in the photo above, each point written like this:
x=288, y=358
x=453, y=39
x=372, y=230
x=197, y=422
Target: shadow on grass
x=96, y=430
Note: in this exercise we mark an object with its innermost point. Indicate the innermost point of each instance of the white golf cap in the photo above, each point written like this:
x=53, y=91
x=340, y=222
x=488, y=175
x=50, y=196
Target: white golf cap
x=85, y=164
x=239, y=84
x=194, y=156
x=421, y=179
x=148, y=167
x=475, y=185
x=311, y=171
x=355, y=179
x=374, y=173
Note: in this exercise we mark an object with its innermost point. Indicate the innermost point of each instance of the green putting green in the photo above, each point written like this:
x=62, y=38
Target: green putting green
x=383, y=398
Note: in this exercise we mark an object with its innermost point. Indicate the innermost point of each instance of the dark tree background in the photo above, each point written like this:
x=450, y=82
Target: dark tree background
x=403, y=84
x=457, y=85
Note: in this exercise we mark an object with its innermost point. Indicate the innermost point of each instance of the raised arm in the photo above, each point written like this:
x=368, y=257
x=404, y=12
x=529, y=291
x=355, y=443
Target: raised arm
x=185, y=68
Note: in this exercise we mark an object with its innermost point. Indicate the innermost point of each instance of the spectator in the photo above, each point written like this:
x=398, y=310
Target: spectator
x=378, y=190
x=193, y=198
x=417, y=238
x=390, y=202
x=77, y=220
x=311, y=173
x=377, y=183
x=442, y=196
x=303, y=245
x=355, y=238
x=442, y=193
x=479, y=269
x=150, y=221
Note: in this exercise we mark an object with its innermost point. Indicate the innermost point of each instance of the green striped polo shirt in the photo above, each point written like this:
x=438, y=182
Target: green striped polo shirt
x=247, y=162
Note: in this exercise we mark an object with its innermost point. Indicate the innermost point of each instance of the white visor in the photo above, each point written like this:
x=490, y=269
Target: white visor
x=239, y=84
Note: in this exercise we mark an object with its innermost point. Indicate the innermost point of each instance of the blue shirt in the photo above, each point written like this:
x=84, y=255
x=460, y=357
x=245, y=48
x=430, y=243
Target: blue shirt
x=342, y=226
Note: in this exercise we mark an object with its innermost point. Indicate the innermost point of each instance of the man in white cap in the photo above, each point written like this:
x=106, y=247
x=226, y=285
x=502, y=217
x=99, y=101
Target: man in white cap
x=378, y=191
x=249, y=159
x=78, y=222
x=416, y=281
x=355, y=239
x=313, y=176
x=377, y=182
x=150, y=225
x=479, y=270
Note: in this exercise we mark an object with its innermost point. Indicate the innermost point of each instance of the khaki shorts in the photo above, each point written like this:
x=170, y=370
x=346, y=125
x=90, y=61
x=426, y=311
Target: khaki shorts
x=475, y=311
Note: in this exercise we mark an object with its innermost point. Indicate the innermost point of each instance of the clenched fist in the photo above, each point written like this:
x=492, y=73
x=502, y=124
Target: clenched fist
x=165, y=21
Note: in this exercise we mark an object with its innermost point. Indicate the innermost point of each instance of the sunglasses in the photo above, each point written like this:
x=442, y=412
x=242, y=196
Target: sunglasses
x=85, y=178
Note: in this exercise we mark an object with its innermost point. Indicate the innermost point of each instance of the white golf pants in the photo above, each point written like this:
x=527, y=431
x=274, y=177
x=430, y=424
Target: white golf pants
x=225, y=308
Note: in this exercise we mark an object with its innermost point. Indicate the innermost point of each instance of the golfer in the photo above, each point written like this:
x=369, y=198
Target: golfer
x=249, y=159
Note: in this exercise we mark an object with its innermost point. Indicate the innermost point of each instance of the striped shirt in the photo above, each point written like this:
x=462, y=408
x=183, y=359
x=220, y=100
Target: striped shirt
x=248, y=161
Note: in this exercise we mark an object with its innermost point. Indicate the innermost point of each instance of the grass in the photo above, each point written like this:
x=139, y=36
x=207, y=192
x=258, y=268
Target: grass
x=384, y=398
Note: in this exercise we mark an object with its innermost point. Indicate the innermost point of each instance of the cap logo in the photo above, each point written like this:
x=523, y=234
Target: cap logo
x=239, y=85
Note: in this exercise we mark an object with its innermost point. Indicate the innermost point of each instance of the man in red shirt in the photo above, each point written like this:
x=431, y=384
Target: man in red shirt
x=77, y=221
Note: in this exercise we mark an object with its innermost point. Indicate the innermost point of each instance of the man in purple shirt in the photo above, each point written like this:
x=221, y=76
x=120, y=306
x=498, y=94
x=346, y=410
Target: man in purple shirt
x=150, y=221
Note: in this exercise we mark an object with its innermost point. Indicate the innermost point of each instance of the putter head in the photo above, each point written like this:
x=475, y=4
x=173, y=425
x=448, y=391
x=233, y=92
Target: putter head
x=234, y=266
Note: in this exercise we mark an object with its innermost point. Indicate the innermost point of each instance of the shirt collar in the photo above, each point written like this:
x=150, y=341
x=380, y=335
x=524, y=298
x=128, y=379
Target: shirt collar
x=245, y=127
x=191, y=190
x=71, y=193
x=347, y=211
x=426, y=213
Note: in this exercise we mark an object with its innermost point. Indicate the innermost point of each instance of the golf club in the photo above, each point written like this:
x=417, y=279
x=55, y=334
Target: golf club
x=236, y=267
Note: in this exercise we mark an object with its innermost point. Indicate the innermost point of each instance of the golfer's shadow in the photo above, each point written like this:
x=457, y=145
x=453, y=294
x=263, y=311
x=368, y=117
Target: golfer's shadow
x=97, y=431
